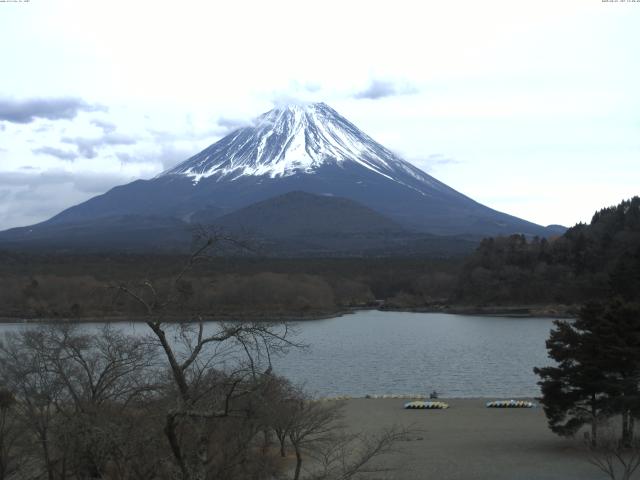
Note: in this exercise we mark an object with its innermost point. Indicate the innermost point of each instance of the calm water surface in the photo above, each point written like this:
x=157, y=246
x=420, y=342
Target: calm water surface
x=373, y=352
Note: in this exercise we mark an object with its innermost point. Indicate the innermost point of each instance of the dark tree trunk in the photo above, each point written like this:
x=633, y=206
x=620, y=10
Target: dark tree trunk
x=594, y=423
x=296, y=448
x=627, y=428
x=47, y=457
x=266, y=436
x=170, y=432
x=282, y=439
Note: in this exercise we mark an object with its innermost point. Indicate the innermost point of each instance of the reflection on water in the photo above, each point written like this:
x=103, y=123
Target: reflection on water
x=373, y=352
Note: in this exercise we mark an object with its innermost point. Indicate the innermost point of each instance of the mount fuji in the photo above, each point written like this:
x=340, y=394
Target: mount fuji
x=298, y=148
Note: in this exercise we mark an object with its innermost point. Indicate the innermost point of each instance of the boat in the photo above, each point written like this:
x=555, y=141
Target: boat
x=423, y=405
x=510, y=404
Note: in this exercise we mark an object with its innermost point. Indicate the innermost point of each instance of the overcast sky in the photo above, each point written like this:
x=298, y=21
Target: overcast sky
x=530, y=107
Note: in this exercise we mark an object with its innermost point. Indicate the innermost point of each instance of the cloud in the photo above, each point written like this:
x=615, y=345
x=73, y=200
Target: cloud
x=118, y=139
x=232, y=123
x=312, y=87
x=439, y=159
x=169, y=156
x=107, y=127
x=431, y=163
x=29, y=197
x=26, y=111
x=384, y=88
x=286, y=98
x=86, y=182
x=56, y=152
x=297, y=93
x=44, y=128
x=227, y=125
x=87, y=147
x=186, y=136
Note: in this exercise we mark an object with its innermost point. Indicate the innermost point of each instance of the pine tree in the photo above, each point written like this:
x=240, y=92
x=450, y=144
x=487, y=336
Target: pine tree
x=619, y=332
x=624, y=280
x=598, y=370
x=573, y=391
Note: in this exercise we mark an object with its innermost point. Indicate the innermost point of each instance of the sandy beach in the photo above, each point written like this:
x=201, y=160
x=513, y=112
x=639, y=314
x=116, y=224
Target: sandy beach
x=470, y=441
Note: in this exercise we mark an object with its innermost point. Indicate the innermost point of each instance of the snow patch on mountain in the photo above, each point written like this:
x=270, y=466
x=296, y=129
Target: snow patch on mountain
x=298, y=139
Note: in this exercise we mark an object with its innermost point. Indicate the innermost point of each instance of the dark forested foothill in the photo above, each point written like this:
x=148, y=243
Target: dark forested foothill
x=585, y=263
x=78, y=286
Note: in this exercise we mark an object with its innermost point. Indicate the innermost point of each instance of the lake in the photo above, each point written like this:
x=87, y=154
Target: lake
x=397, y=353
x=373, y=352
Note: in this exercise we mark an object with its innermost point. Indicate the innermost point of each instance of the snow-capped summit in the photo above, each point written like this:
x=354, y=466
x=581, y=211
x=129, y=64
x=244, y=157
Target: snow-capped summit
x=296, y=139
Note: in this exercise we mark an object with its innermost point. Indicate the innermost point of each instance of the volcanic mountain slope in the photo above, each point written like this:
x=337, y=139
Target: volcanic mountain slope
x=296, y=224
x=296, y=214
x=122, y=233
x=308, y=148
x=304, y=224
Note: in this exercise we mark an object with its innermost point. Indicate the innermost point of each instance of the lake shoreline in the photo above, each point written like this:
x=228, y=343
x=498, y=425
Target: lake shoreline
x=425, y=397
x=519, y=311
x=270, y=318
x=515, y=311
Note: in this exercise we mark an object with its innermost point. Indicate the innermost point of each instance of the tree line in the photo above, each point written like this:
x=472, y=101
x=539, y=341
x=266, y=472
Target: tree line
x=571, y=269
x=595, y=379
x=79, y=287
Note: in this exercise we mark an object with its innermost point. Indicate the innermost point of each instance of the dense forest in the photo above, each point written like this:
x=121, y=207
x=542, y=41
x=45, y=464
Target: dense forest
x=589, y=261
x=83, y=286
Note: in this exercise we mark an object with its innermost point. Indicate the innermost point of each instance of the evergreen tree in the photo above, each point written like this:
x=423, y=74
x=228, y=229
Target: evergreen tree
x=619, y=332
x=598, y=370
x=573, y=391
x=624, y=280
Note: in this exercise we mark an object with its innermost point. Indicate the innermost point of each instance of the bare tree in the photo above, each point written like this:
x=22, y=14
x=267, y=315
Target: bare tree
x=351, y=455
x=618, y=459
x=96, y=369
x=315, y=431
x=71, y=389
x=214, y=367
x=282, y=403
x=37, y=390
x=312, y=424
x=10, y=435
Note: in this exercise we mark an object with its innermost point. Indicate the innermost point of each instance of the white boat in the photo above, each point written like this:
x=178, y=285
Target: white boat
x=510, y=404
